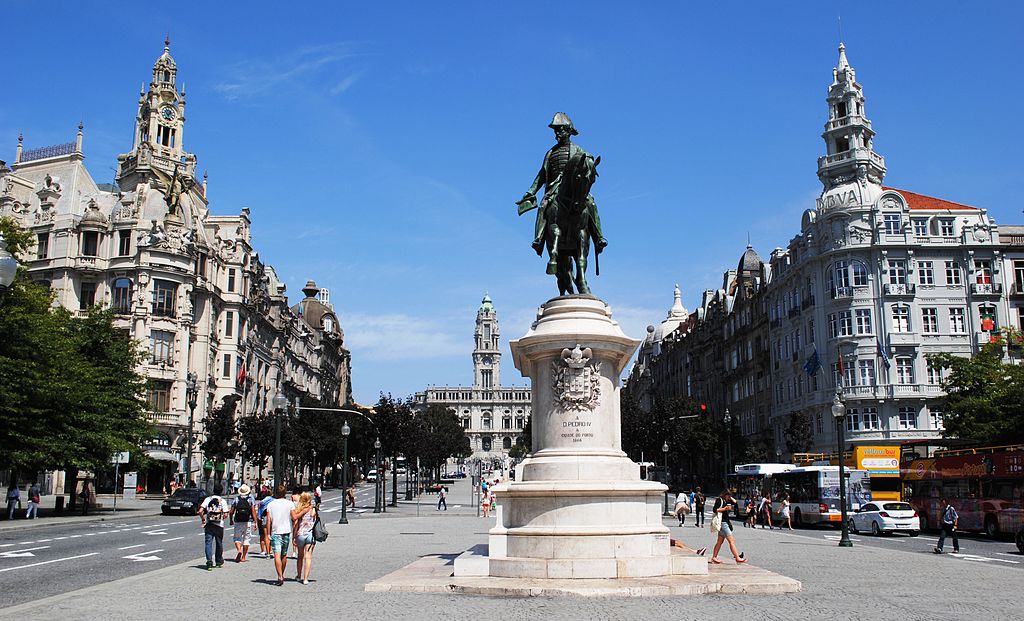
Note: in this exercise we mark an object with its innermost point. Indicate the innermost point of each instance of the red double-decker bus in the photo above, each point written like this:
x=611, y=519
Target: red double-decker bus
x=985, y=485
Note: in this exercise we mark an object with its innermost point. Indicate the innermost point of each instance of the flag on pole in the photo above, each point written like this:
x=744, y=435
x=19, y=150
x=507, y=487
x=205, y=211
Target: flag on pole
x=813, y=363
x=883, y=353
x=840, y=367
x=241, y=372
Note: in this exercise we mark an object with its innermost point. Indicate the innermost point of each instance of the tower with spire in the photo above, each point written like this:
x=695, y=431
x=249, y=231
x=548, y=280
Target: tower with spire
x=486, y=353
x=849, y=149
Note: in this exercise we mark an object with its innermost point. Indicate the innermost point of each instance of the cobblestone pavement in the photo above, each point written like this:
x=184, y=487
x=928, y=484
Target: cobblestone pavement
x=861, y=582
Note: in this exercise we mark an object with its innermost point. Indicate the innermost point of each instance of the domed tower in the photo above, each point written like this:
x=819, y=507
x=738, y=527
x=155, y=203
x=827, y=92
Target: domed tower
x=486, y=353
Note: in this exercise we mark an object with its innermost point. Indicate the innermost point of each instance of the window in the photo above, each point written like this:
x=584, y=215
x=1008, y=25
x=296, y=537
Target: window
x=957, y=321
x=953, y=273
x=853, y=420
x=897, y=272
x=900, y=318
x=486, y=378
x=226, y=366
x=841, y=324
x=871, y=422
x=866, y=371
x=935, y=416
x=860, y=274
x=904, y=370
x=1018, y=276
x=42, y=245
x=907, y=418
x=921, y=227
x=506, y=443
x=487, y=332
x=849, y=375
x=842, y=275
x=90, y=243
x=87, y=297
x=465, y=423
x=159, y=395
x=983, y=272
x=506, y=422
x=165, y=295
x=328, y=324
x=485, y=443
x=863, y=320
x=946, y=227
x=486, y=421
x=122, y=296
x=229, y=324
x=925, y=273
x=201, y=264
x=821, y=426
x=934, y=375
x=124, y=243
x=987, y=314
x=161, y=344
x=231, y=279
x=892, y=223
x=930, y=320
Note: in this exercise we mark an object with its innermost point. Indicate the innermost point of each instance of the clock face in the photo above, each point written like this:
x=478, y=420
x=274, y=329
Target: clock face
x=168, y=113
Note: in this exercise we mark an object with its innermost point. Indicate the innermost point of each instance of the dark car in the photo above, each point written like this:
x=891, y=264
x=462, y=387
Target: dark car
x=185, y=501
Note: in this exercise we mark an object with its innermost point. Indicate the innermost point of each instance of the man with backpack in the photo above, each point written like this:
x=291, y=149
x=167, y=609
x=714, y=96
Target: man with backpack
x=32, y=511
x=950, y=520
x=698, y=507
x=211, y=515
x=242, y=509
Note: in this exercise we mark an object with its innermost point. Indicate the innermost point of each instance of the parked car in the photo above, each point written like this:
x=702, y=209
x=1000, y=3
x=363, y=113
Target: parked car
x=371, y=476
x=185, y=501
x=886, y=517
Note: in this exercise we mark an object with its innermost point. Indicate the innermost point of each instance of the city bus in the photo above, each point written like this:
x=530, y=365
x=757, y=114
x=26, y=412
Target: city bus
x=752, y=480
x=983, y=484
x=814, y=493
x=882, y=463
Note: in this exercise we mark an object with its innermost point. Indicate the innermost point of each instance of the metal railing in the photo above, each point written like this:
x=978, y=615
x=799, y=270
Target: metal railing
x=44, y=152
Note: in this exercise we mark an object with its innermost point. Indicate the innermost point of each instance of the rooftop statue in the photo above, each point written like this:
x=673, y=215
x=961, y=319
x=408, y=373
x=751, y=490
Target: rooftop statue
x=567, y=218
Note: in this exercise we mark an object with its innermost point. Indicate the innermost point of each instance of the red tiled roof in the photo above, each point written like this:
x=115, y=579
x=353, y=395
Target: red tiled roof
x=920, y=201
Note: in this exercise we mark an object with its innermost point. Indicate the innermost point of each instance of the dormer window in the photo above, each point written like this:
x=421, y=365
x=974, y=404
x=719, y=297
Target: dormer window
x=90, y=243
x=328, y=324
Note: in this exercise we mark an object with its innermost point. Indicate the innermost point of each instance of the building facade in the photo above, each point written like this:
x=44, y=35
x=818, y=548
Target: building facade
x=493, y=415
x=185, y=283
x=876, y=279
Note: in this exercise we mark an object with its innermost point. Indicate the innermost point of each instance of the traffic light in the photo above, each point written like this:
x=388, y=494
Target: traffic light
x=703, y=410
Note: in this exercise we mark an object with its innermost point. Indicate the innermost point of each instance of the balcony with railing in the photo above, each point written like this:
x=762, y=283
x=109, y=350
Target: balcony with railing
x=840, y=293
x=903, y=289
x=986, y=288
x=163, y=418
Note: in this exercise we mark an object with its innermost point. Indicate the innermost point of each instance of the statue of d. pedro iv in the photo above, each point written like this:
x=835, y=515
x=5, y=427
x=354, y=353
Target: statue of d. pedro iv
x=567, y=218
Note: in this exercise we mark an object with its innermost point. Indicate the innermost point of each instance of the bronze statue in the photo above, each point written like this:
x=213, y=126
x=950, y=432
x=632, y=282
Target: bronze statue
x=567, y=219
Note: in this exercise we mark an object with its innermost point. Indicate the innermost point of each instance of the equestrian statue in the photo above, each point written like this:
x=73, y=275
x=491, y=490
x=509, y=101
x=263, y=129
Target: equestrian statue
x=567, y=218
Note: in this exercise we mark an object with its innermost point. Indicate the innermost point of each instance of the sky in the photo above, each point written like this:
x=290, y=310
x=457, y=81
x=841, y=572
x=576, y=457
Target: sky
x=381, y=146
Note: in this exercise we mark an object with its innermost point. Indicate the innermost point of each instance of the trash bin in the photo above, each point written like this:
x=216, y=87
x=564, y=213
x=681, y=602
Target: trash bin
x=58, y=506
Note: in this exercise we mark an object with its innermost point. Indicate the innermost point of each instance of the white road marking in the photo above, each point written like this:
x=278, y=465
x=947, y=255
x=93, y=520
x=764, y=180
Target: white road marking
x=140, y=556
x=56, y=560
x=161, y=531
x=86, y=534
x=59, y=538
x=981, y=559
x=171, y=539
x=6, y=545
x=74, y=536
x=20, y=553
x=44, y=540
x=130, y=547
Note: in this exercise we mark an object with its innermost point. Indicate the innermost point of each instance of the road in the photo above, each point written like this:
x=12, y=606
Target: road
x=47, y=560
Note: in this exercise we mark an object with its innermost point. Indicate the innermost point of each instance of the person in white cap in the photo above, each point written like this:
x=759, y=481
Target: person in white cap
x=243, y=508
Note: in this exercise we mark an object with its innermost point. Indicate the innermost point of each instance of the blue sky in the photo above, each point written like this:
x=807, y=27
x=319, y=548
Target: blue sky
x=381, y=146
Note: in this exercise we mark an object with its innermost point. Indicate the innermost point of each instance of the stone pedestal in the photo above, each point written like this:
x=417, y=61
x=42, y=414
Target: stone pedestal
x=579, y=508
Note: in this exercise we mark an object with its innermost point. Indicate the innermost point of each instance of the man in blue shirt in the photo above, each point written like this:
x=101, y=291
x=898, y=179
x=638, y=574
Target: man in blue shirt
x=950, y=520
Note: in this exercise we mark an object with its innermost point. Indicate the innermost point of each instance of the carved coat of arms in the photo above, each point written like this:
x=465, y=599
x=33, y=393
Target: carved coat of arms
x=576, y=380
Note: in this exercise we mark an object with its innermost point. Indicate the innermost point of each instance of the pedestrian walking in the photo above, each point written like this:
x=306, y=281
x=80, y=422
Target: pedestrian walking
x=279, y=523
x=751, y=514
x=241, y=517
x=318, y=495
x=723, y=508
x=13, y=498
x=303, y=517
x=211, y=516
x=950, y=520
x=442, y=498
x=765, y=510
x=485, y=502
x=33, y=502
x=698, y=507
x=86, y=496
x=350, y=495
x=785, y=512
x=261, y=522
x=682, y=507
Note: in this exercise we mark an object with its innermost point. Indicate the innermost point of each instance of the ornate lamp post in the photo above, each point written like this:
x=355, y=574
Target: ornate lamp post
x=192, y=398
x=728, y=444
x=345, y=430
x=8, y=267
x=839, y=413
x=280, y=406
x=664, y=451
x=376, y=483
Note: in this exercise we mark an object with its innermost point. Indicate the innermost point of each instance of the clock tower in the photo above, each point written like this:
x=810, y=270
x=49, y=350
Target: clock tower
x=486, y=353
x=158, y=144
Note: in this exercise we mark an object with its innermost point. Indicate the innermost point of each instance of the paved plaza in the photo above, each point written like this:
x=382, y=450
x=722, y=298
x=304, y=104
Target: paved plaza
x=890, y=577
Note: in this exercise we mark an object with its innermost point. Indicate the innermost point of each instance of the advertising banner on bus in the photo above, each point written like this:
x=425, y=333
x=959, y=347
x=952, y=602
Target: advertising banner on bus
x=1009, y=464
x=879, y=461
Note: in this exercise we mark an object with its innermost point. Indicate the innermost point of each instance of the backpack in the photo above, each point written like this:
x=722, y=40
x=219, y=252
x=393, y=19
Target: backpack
x=243, y=509
x=214, y=510
x=319, y=532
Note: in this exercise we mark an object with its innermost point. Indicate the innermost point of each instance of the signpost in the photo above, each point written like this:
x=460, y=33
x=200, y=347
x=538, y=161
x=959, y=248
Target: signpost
x=117, y=460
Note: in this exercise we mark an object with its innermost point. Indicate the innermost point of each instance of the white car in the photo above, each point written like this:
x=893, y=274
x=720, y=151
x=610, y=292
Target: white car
x=371, y=475
x=886, y=517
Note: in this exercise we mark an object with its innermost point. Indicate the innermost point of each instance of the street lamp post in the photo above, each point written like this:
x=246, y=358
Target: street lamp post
x=377, y=480
x=280, y=405
x=394, y=481
x=728, y=445
x=345, y=430
x=664, y=451
x=192, y=398
x=839, y=413
x=8, y=267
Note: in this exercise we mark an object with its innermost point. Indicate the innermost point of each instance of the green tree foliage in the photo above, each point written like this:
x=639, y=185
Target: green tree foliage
x=221, y=441
x=984, y=395
x=439, y=435
x=524, y=443
x=798, y=433
x=70, y=395
x=256, y=437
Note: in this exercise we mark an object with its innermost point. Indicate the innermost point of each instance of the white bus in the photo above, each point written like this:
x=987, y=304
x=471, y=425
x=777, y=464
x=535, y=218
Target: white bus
x=752, y=480
x=814, y=493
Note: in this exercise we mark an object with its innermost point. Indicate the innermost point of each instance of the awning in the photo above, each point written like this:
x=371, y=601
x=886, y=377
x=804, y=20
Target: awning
x=161, y=455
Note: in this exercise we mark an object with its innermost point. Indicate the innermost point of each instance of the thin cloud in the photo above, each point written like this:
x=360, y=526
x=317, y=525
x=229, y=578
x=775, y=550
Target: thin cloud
x=398, y=336
x=346, y=83
x=260, y=76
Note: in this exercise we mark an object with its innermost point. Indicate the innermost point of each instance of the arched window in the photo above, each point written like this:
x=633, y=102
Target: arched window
x=167, y=76
x=485, y=420
x=506, y=443
x=860, y=274
x=122, y=296
x=328, y=324
x=485, y=443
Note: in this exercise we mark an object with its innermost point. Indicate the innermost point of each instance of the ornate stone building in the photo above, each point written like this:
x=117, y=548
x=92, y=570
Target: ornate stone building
x=492, y=415
x=876, y=279
x=185, y=283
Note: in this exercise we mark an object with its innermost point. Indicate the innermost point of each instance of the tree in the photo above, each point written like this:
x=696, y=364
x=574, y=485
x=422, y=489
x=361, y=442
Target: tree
x=524, y=443
x=221, y=441
x=798, y=433
x=256, y=433
x=440, y=436
x=984, y=395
